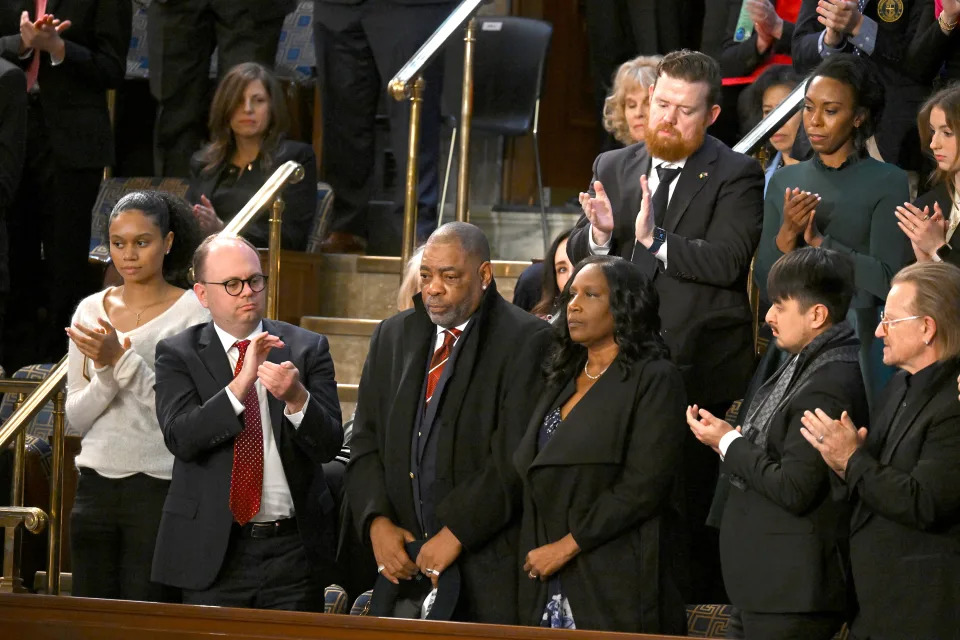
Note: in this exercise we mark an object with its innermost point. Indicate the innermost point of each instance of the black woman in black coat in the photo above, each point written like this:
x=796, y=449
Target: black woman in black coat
x=599, y=462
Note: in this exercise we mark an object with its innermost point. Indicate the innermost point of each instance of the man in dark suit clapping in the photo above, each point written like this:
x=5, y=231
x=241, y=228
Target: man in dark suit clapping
x=688, y=211
x=445, y=396
x=902, y=473
x=248, y=406
x=782, y=538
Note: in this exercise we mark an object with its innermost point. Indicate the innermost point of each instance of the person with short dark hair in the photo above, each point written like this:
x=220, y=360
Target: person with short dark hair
x=770, y=89
x=841, y=199
x=445, y=395
x=248, y=127
x=539, y=285
x=688, y=211
x=248, y=407
x=880, y=33
x=124, y=467
x=901, y=471
x=600, y=463
x=782, y=537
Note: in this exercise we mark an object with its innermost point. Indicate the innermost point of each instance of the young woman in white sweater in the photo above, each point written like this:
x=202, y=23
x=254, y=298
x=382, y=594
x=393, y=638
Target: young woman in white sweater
x=124, y=466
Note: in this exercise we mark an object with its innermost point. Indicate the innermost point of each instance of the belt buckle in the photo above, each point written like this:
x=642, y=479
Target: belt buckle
x=260, y=530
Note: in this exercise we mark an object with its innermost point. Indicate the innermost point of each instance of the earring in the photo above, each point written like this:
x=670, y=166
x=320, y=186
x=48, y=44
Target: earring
x=926, y=342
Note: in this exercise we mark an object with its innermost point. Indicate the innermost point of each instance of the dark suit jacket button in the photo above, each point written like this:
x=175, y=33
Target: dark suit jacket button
x=310, y=441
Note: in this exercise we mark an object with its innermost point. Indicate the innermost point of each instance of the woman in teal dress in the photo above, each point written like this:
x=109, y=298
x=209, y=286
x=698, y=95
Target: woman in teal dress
x=841, y=199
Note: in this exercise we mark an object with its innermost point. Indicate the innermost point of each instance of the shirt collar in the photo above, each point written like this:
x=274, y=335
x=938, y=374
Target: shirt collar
x=656, y=162
x=852, y=159
x=228, y=340
x=459, y=328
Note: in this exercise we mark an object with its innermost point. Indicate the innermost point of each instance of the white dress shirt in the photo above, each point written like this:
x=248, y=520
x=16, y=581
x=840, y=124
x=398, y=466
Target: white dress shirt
x=653, y=181
x=439, y=341
x=276, y=503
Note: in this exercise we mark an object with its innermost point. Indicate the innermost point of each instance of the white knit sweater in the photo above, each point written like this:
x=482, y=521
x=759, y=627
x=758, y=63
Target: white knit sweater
x=115, y=409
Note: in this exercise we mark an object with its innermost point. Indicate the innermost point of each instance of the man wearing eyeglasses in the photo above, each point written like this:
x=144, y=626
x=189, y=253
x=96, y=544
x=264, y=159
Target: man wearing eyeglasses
x=249, y=408
x=902, y=470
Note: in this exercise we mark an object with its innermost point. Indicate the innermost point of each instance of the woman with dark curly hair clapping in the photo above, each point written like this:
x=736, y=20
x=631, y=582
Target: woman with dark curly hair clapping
x=599, y=460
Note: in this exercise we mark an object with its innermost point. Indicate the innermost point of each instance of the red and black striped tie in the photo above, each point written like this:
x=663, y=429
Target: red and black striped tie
x=440, y=357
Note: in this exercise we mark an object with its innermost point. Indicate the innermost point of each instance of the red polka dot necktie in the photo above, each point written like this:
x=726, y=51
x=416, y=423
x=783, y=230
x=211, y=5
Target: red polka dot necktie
x=246, y=480
x=439, y=360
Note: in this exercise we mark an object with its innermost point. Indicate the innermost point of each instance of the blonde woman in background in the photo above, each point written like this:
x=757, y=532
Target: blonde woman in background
x=625, y=109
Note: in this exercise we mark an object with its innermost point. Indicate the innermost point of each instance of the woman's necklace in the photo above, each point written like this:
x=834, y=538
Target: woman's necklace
x=123, y=297
x=596, y=377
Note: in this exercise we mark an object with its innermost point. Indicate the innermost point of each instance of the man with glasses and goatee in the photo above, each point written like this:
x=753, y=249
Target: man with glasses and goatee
x=249, y=408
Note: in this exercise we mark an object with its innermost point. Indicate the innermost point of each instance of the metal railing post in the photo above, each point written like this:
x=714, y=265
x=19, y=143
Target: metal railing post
x=56, y=496
x=413, y=156
x=466, y=121
x=273, y=267
x=11, y=582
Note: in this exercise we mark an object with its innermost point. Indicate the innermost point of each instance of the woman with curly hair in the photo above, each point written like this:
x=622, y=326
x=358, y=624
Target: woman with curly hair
x=841, y=199
x=124, y=466
x=248, y=125
x=625, y=109
x=599, y=462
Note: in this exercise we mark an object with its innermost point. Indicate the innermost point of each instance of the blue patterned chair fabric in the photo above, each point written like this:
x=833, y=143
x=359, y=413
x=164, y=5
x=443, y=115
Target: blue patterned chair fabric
x=295, y=54
x=42, y=426
x=335, y=599
x=361, y=605
x=111, y=190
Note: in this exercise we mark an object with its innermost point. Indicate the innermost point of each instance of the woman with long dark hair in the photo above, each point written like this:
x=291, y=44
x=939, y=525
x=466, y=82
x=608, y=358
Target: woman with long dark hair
x=841, y=199
x=124, y=465
x=248, y=125
x=599, y=461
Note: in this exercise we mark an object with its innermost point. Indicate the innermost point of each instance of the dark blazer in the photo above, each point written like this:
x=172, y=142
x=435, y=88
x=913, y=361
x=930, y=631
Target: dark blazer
x=607, y=476
x=73, y=95
x=782, y=537
x=906, y=83
x=713, y=227
x=933, y=52
x=300, y=199
x=905, y=528
x=940, y=195
x=486, y=404
x=199, y=425
x=737, y=59
x=13, y=129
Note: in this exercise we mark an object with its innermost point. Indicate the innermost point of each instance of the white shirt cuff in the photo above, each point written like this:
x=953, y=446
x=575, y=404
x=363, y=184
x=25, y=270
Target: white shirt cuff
x=27, y=54
x=237, y=405
x=725, y=441
x=296, y=418
x=597, y=249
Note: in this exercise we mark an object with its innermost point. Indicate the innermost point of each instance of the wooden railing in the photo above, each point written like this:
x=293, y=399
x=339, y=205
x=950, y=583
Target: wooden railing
x=29, y=616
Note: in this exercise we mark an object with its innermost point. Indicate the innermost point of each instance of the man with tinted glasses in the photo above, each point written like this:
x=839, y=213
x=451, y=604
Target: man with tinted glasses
x=249, y=408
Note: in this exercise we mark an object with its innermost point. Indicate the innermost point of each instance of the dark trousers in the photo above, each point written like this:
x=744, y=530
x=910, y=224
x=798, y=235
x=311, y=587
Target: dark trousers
x=263, y=573
x=113, y=531
x=49, y=231
x=359, y=49
x=750, y=625
x=181, y=37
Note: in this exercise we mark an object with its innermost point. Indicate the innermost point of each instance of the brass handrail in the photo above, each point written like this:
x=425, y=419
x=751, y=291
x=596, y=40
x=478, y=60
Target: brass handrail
x=408, y=84
x=34, y=520
x=772, y=121
x=289, y=172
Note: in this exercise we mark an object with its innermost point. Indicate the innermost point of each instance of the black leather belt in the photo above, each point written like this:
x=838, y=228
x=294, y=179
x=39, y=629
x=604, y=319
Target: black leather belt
x=259, y=530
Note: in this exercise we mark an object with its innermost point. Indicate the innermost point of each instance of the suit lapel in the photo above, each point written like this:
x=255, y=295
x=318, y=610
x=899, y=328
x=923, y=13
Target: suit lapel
x=694, y=175
x=417, y=334
x=908, y=416
x=276, y=356
x=213, y=356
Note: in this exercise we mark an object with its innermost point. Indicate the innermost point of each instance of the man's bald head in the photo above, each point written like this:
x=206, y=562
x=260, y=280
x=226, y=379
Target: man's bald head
x=471, y=239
